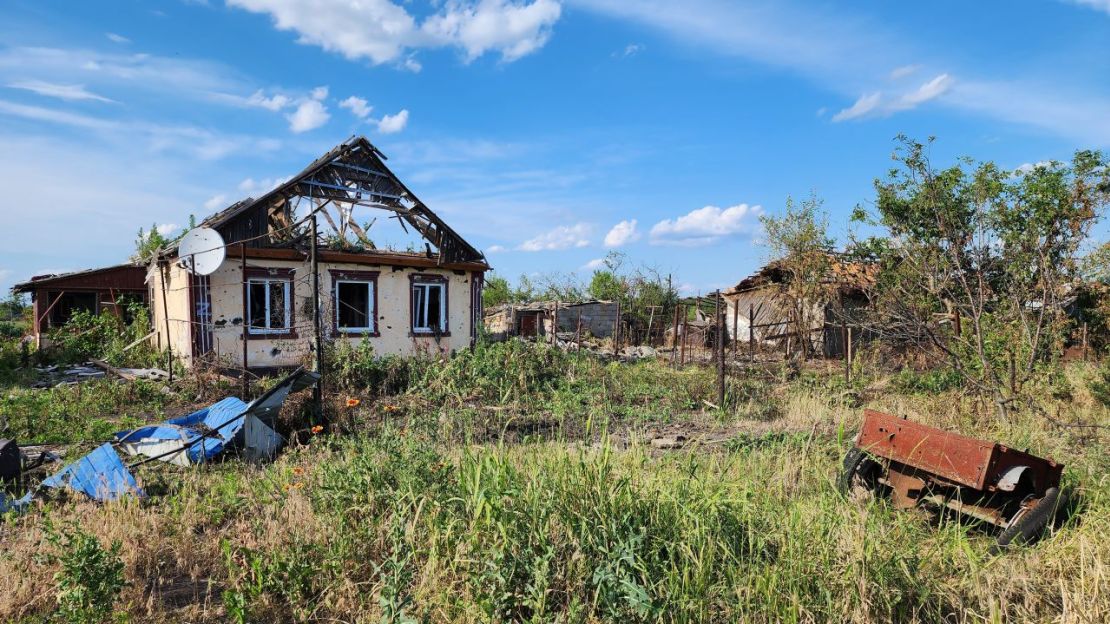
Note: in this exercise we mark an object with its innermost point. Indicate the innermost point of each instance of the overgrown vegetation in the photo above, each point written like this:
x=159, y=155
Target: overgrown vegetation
x=395, y=521
x=520, y=482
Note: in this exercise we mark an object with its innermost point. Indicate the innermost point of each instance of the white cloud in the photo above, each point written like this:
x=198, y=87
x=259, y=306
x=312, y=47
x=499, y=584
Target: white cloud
x=273, y=103
x=903, y=71
x=165, y=229
x=216, y=202
x=69, y=92
x=706, y=225
x=195, y=142
x=357, y=106
x=932, y=89
x=631, y=49
x=865, y=105
x=319, y=93
x=854, y=54
x=1030, y=167
x=385, y=32
x=391, y=124
x=562, y=237
x=873, y=104
x=310, y=114
x=622, y=233
x=514, y=29
x=1098, y=5
x=594, y=264
x=113, y=37
x=495, y=249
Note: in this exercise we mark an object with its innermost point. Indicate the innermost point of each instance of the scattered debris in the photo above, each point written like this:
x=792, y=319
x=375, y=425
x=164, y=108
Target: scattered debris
x=669, y=442
x=196, y=438
x=55, y=376
x=919, y=465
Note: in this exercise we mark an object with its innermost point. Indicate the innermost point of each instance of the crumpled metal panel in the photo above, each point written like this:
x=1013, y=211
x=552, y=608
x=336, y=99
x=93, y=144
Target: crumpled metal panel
x=100, y=475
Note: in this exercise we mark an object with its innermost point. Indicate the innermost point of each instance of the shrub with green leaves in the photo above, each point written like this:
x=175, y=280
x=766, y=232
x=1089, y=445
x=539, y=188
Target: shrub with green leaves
x=90, y=578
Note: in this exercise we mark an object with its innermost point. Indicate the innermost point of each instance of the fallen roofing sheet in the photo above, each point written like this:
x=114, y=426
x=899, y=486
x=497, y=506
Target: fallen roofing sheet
x=196, y=438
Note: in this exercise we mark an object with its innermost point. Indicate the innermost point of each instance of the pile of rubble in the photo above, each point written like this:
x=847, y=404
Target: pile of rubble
x=604, y=349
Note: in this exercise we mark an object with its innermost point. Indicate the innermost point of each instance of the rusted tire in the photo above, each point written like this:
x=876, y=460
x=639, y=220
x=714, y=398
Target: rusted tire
x=859, y=471
x=1028, y=526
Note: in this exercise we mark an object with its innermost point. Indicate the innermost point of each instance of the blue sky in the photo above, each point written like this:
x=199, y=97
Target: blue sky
x=548, y=132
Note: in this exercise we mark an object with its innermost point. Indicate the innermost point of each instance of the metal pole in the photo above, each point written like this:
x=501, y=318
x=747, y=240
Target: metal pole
x=318, y=389
x=674, y=334
x=243, y=264
x=682, y=356
x=720, y=354
x=166, y=316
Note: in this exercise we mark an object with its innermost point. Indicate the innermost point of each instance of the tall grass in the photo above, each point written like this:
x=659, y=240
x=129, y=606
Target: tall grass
x=401, y=523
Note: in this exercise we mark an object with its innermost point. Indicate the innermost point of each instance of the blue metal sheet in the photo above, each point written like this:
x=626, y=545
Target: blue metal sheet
x=100, y=475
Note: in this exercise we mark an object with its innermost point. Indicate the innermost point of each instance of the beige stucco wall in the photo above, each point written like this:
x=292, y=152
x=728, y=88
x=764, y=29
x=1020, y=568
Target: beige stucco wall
x=393, y=286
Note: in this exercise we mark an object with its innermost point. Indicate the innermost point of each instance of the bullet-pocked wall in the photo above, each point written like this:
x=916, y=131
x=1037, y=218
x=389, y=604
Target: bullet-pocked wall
x=282, y=334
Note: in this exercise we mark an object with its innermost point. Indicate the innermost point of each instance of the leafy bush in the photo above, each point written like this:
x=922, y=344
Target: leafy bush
x=931, y=381
x=105, y=336
x=91, y=576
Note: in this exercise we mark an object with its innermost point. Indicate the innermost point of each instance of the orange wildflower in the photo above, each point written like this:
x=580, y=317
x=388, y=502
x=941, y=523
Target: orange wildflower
x=297, y=470
x=317, y=429
x=353, y=402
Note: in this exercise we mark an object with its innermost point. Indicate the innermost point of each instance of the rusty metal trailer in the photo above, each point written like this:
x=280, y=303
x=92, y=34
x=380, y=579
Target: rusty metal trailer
x=917, y=465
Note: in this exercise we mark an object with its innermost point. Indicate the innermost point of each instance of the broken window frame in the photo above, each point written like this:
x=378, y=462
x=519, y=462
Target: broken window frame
x=368, y=278
x=267, y=281
x=423, y=284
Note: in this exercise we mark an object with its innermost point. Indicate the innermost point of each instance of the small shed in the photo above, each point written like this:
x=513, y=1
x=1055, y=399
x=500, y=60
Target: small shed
x=57, y=298
x=759, y=309
x=536, y=318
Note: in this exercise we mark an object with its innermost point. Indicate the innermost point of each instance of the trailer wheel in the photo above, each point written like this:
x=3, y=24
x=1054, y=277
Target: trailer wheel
x=1027, y=525
x=859, y=471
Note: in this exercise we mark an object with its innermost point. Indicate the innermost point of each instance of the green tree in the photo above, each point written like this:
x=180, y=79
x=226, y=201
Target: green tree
x=496, y=291
x=148, y=243
x=800, y=246
x=993, y=253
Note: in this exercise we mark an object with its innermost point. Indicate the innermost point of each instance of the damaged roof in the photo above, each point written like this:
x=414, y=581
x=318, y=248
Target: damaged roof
x=128, y=277
x=352, y=173
x=843, y=273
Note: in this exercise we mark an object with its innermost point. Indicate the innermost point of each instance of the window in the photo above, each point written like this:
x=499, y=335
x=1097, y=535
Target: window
x=268, y=306
x=429, y=305
x=355, y=309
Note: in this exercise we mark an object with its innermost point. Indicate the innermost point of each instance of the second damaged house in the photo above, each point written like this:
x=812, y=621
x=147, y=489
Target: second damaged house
x=256, y=309
x=760, y=309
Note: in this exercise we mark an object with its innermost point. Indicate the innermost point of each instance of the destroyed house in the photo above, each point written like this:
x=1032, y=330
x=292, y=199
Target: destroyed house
x=536, y=318
x=57, y=297
x=256, y=310
x=758, y=308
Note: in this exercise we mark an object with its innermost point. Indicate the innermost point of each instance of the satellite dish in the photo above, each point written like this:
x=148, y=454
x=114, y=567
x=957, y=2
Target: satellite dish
x=201, y=250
